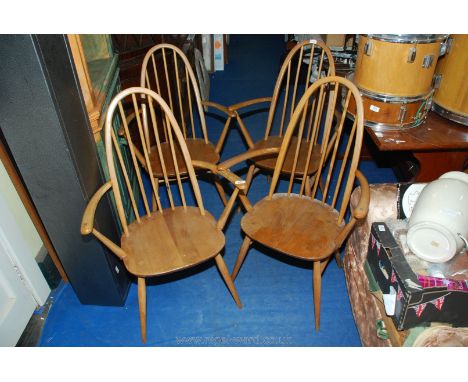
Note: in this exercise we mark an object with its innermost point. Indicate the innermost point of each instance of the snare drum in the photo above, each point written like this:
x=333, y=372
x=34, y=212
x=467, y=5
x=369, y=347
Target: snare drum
x=451, y=81
x=391, y=113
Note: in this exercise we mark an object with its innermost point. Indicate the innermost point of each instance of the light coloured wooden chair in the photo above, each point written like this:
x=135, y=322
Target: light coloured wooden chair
x=160, y=240
x=307, y=62
x=167, y=71
x=312, y=227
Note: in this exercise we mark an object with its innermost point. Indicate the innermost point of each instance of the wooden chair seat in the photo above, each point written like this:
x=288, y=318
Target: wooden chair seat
x=275, y=142
x=296, y=225
x=168, y=242
x=198, y=149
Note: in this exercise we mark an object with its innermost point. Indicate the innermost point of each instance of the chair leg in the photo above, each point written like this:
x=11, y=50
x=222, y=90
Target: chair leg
x=142, y=306
x=249, y=177
x=241, y=256
x=317, y=290
x=153, y=201
x=222, y=137
x=227, y=279
x=338, y=259
x=308, y=187
x=220, y=189
x=248, y=182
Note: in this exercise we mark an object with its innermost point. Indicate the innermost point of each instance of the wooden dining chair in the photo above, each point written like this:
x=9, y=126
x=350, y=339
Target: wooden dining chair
x=307, y=62
x=167, y=71
x=312, y=228
x=177, y=232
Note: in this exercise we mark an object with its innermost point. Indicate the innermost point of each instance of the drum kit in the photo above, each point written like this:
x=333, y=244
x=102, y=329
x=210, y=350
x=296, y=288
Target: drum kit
x=401, y=77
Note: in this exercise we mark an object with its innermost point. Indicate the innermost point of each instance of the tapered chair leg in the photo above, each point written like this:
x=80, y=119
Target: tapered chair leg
x=308, y=187
x=241, y=256
x=338, y=259
x=222, y=137
x=153, y=195
x=249, y=177
x=227, y=279
x=220, y=189
x=317, y=290
x=142, y=306
x=248, y=182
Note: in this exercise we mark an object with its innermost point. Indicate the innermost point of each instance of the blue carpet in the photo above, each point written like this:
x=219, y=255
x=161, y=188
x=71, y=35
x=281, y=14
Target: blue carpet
x=194, y=308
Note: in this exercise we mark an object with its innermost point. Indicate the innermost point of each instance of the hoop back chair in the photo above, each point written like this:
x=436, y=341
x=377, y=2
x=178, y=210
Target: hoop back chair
x=307, y=62
x=312, y=228
x=177, y=232
x=167, y=71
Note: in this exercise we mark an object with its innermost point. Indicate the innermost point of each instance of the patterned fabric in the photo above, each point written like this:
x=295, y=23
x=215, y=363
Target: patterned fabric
x=430, y=282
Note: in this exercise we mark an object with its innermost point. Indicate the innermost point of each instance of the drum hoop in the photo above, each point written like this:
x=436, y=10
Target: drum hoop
x=393, y=99
x=408, y=38
x=450, y=114
x=379, y=126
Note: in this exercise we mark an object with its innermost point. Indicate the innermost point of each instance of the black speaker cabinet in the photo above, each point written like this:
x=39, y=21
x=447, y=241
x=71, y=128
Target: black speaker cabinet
x=45, y=126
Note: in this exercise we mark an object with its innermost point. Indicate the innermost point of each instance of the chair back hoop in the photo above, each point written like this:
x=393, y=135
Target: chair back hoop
x=177, y=145
x=324, y=143
x=170, y=85
x=311, y=50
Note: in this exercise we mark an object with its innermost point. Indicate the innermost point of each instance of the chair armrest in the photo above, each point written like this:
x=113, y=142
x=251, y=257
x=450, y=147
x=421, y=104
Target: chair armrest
x=250, y=154
x=224, y=172
x=87, y=223
x=219, y=107
x=250, y=102
x=359, y=212
x=362, y=207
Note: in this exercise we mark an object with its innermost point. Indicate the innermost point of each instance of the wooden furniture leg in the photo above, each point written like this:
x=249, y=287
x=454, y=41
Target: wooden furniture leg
x=241, y=256
x=308, y=190
x=220, y=189
x=227, y=279
x=248, y=182
x=338, y=259
x=153, y=197
x=142, y=306
x=249, y=178
x=317, y=290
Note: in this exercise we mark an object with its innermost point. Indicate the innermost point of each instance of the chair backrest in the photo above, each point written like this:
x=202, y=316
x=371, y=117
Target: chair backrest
x=167, y=71
x=310, y=60
x=179, y=156
x=338, y=148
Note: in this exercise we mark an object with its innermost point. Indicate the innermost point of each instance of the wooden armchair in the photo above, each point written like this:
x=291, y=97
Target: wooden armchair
x=307, y=62
x=311, y=227
x=176, y=232
x=167, y=71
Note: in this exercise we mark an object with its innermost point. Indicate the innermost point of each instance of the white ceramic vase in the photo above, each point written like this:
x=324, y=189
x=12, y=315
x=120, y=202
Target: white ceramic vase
x=438, y=225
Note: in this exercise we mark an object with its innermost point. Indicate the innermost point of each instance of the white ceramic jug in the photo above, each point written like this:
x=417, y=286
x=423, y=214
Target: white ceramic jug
x=438, y=225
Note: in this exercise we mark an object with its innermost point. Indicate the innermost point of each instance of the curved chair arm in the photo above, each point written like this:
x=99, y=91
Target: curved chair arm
x=219, y=107
x=359, y=212
x=250, y=102
x=87, y=223
x=250, y=154
x=224, y=172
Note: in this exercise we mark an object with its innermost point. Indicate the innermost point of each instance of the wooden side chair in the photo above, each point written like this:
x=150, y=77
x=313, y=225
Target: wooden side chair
x=161, y=240
x=167, y=71
x=312, y=227
x=307, y=62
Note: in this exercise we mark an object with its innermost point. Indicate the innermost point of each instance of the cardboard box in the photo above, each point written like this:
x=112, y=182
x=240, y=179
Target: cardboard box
x=419, y=299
